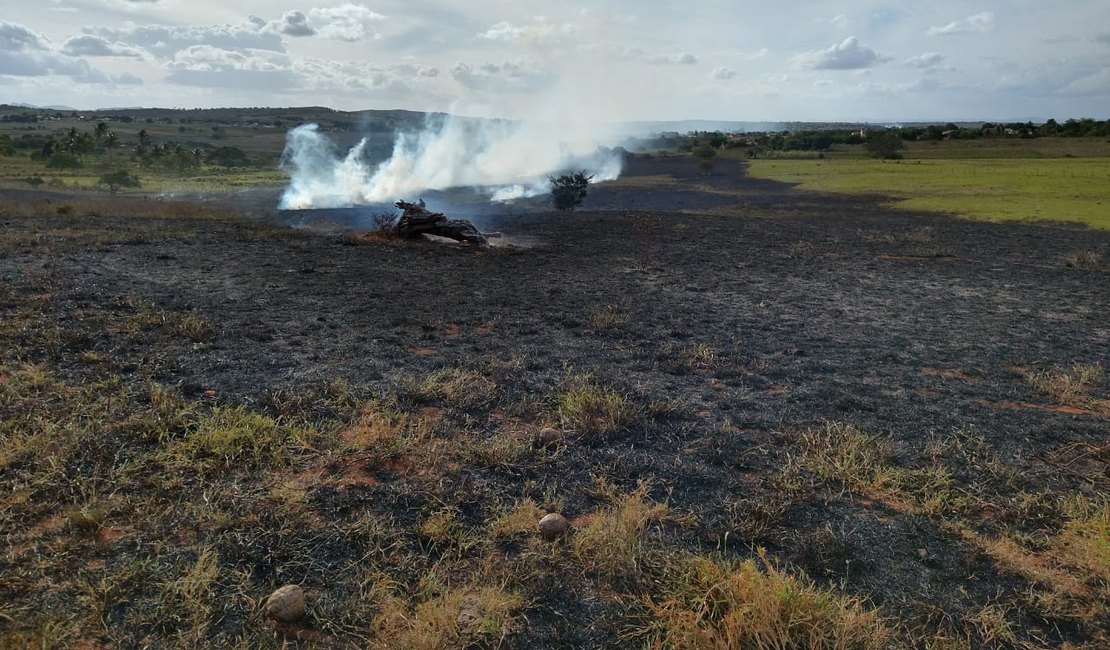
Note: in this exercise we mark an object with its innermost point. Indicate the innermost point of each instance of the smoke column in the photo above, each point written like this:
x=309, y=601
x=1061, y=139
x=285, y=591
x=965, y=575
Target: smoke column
x=507, y=160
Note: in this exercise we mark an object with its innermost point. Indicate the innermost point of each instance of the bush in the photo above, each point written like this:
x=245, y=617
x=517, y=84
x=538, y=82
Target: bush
x=569, y=190
x=34, y=181
x=887, y=146
x=62, y=160
x=119, y=179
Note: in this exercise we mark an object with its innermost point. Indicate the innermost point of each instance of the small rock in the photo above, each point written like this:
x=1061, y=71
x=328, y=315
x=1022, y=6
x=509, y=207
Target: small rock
x=286, y=604
x=553, y=525
x=922, y=553
x=548, y=436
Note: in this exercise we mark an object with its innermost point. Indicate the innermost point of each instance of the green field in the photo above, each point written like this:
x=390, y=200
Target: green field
x=1007, y=180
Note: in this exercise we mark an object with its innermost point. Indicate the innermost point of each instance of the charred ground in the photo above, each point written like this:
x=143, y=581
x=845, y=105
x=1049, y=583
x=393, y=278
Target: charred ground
x=907, y=408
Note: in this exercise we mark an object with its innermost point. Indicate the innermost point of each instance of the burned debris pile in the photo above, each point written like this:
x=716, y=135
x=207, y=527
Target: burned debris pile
x=417, y=220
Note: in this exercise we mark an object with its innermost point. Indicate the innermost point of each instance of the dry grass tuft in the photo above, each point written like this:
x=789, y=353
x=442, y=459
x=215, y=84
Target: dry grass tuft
x=613, y=543
x=237, y=437
x=457, y=618
x=837, y=451
x=1087, y=260
x=518, y=521
x=455, y=387
x=591, y=410
x=717, y=605
x=608, y=319
x=1072, y=387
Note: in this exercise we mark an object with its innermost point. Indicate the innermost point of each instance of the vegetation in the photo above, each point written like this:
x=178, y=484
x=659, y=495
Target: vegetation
x=569, y=190
x=118, y=180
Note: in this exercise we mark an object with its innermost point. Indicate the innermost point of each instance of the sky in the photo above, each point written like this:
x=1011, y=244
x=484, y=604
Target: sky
x=619, y=60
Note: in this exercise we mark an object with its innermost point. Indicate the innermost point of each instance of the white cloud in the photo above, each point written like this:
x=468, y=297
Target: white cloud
x=846, y=55
x=164, y=41
x=506, y=77
x=926, y=60
x=977, y=24
x=541, y=30
x=347, y=22
x=208, y=66
x=681, y=58
x=723, y=73
x=89, y=45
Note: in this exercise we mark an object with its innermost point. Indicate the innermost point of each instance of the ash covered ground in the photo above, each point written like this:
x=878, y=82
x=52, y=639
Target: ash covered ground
x=736, y=314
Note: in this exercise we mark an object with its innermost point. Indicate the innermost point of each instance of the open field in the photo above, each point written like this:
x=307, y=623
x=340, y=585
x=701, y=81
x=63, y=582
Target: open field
x=813, y=423
x=995, y=180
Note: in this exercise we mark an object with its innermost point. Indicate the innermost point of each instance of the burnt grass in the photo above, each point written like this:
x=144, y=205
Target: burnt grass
x=734, y=315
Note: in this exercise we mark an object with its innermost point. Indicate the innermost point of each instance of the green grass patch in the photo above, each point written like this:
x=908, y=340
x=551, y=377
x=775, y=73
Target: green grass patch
x=1016, y=189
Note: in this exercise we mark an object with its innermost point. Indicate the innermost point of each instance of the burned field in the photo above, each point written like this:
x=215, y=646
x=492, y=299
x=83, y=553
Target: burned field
x=787, y=420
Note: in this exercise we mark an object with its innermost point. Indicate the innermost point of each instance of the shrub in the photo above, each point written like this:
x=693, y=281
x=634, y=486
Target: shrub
x=119, y=179
x=62, y=160
x=569, y=190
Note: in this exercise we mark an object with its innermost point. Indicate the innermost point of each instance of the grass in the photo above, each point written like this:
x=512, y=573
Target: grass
x=1075, y=386
x=1000, y=189
x=586, y=407
x=717, y=604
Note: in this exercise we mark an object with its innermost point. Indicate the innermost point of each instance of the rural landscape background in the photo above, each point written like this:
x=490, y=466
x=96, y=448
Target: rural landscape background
x=755, y=326
x=826, y=386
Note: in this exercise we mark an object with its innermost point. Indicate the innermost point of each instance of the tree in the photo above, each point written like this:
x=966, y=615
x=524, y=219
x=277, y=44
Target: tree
x=119, y=179
x=887, y=146
x=569, y=190
x=229, y=157
x=63, y=160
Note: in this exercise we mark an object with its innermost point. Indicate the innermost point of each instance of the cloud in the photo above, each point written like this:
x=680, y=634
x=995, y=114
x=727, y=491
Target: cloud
x=682, y=58
x=503, y=77
x=926, y=60
x=977, y=24
x=359, y=77
x=88, y=45
x=541, y=30
x=347, y=22
x=208, y=66
x=165, y=41
x=723, y=73
x=14, y=38
x=293, y=23
x=24, y=53
x=1103, y=38
x=846, y=55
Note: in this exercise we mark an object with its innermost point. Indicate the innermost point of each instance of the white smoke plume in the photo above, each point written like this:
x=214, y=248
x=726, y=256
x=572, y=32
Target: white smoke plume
x=505, y=159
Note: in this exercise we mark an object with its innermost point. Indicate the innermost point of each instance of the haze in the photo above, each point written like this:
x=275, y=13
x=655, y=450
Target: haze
x=615, y=60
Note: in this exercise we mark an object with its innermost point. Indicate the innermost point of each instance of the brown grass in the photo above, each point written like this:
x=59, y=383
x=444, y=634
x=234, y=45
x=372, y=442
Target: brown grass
x=717, y=605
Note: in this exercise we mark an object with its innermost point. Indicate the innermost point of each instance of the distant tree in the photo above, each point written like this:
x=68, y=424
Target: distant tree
x=111, y=141
x=228, y=156
x=101, y=131
x=887, y=145
x=569, y=190
x=704, y=152
x=63, y=160
x=118, y=180
x=33, y=181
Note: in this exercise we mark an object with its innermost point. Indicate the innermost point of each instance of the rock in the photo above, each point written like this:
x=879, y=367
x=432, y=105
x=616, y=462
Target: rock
x=286, y=604
x=548, y=436
x=553, y=525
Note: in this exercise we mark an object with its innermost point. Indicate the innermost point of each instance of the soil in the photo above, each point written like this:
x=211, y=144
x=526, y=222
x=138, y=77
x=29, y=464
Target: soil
x=815, y=307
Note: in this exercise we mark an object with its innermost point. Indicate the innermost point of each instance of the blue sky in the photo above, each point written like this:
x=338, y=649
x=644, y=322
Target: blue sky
x=609, y=60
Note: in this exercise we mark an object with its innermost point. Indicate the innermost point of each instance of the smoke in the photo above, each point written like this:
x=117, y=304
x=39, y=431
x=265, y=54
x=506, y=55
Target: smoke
x=506, y=160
